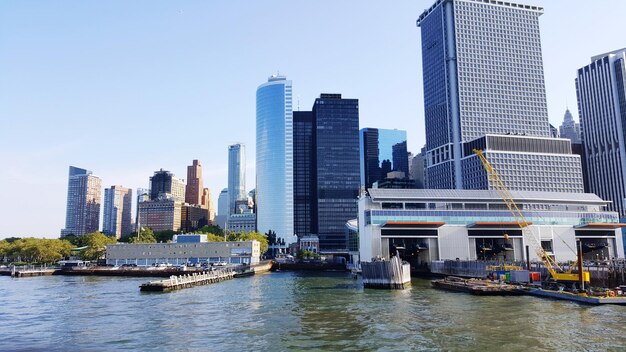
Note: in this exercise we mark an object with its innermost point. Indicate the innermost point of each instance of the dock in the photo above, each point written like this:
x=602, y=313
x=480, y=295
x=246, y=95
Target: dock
x=188, y=280
x=33, y=272
x=479, y=287
x=388, y=274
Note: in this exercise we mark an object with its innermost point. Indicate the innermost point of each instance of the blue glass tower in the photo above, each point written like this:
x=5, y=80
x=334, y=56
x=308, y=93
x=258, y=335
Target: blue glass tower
x=274, y=157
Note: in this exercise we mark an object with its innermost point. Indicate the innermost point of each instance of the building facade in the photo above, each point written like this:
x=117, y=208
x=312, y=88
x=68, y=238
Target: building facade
x=84, y=196
x=274, y=157
x=194, y=188
x=428, y=225
x=337, y=167
x=601, y=92
x=244, y=222
x=381, y=151
x=304, y=207
x=236, y=176
x=183, y=250
x=193, y=217
x=163, y=184
x=161, y=214
x=117, y=217
x=570, y=129
x=483, y=75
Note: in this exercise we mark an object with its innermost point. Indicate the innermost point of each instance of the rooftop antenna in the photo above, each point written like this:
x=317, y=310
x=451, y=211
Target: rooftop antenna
x=298, y=102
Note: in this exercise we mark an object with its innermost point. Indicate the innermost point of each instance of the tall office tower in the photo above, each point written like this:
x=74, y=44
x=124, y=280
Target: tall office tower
x=601, y=92
x=381, y=151
x=143, y=195
x=570, y=129
x=304, y=209
x=337, y=168
x=236, y=176
x=484, y=88
x=163, y=184
x=194, y=188
x=84, y=196
x=416, y=172
x=222, y=209
x=161, y=214
x=274, y=158
x=118, y=203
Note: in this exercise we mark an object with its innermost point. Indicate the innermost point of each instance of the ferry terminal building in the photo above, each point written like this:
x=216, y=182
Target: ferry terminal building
x=425, y=225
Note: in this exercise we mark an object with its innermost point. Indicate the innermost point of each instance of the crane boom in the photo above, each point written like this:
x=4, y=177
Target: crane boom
x=557, y=273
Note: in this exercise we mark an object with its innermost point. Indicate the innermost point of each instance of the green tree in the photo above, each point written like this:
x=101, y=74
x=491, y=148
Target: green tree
x=165, y=235
x=96, y=245
x=249, y=236
x=145, y=236
x=214, y=229
x=214, y=238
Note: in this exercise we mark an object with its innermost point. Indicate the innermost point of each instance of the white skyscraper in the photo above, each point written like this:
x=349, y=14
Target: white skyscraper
x=117, y=211
x=274, y=157
x=236, y=176
x=84, y=196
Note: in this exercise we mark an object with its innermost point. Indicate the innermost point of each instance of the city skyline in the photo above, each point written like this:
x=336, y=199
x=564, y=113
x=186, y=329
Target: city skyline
x=50, y=114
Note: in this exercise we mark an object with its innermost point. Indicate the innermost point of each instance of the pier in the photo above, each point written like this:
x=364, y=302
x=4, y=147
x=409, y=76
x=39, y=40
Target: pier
x=186, y=281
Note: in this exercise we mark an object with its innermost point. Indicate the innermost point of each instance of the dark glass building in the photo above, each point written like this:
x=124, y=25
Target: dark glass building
x=326, y=169
x=303, y=175
x=382, y=151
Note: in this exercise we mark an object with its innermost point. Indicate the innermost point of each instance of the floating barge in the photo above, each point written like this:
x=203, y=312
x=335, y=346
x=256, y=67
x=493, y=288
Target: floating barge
x=387, y=274
x=187, y=281
x=479, y=287
x=33, y=272
x=575, y=297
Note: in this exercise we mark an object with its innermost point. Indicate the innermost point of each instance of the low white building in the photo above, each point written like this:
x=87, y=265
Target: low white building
x=424, y=225
x=186, y=249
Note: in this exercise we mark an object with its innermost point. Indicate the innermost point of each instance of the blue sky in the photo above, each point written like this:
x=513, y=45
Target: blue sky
x=125, y=88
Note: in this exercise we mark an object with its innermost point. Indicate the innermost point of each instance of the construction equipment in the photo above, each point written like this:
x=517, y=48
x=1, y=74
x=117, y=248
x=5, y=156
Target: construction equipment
x=556, y=271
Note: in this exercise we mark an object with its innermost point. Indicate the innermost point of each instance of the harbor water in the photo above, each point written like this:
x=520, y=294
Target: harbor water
x=291, y=311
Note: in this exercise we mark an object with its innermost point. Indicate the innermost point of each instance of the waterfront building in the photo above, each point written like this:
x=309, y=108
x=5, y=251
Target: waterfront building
x=381, y=151
x=192, y=248
x=427, y=225
x=195, y=187
x=163, y=184
x=274, y=157
x=161, y=214
x=242, y=222
x=304, y=207
x=236, y=176
x=326, y=174
x=601, y=92
x=570, y=129
x=118, y=202
x=84, y=196
x=483, y=76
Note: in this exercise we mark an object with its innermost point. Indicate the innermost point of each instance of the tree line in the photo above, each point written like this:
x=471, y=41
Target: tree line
x=92, y=246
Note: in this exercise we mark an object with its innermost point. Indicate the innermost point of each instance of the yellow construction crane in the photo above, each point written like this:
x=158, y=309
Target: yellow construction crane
x=557, y=273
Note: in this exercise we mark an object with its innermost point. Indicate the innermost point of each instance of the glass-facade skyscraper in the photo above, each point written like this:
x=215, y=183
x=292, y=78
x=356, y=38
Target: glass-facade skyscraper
x=236, y=176
x=483, y=76
x=304, y=207
x=117, y=212
x=382, y=151
x=84, y=196
x=601, y=92
x=274, y=157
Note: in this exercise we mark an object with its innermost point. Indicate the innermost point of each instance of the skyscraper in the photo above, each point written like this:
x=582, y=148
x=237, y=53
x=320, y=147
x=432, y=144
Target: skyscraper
x=222, y=208
x=274, y=157
x=326, y=169
x=381, y=151
x=143, y=195
x=484, y=88
x=236, y=176
x=163, y=184
x=194, y=188
x=118, y=202
x=601, y=91
x=570, y=129
x=304, y=208
x=84, y=196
